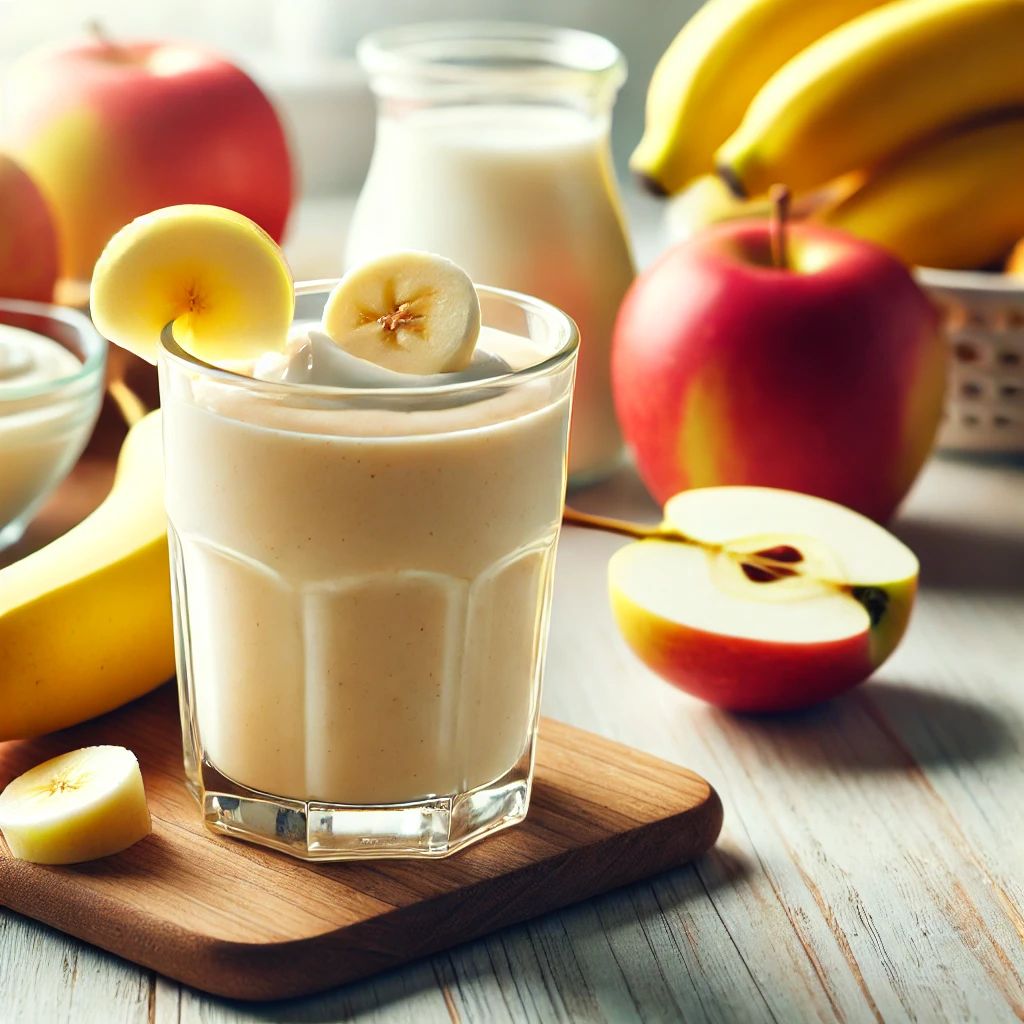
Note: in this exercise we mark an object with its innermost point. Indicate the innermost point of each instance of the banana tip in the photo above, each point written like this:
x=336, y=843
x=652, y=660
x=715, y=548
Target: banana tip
x=732, y=180
x=650, y=184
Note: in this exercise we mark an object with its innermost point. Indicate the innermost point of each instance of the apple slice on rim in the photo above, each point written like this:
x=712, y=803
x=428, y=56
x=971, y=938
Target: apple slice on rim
x=763, y=600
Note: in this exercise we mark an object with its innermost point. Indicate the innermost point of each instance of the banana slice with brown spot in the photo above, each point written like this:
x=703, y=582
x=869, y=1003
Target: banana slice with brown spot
x=410, y=311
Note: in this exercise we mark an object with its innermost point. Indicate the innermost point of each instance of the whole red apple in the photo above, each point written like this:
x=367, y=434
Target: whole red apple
x=28, y=237
x=825, y=374
x=112, y=131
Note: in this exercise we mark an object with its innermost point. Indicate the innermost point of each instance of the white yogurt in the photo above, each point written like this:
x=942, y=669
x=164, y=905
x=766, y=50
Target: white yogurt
x=38, y=438
x=28, y=359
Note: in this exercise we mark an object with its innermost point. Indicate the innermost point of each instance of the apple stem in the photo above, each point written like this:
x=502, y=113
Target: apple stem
x=128, y=403
x=100, y=34
x=638, y=531
x=780, y=198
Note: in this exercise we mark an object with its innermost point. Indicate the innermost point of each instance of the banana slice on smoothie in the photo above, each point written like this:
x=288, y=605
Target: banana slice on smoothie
x=409, y=311
x=220, y=279
x=82, y=805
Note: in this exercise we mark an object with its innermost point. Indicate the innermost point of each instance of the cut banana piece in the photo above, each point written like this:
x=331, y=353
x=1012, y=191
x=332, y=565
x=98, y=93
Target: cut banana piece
x=409, y=311
x=82, y=805
x=219, y=278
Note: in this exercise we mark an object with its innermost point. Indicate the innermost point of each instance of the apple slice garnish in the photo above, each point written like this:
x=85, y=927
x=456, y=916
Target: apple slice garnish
x=758, y=599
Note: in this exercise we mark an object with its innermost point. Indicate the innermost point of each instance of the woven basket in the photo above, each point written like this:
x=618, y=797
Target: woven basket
x=983, y=316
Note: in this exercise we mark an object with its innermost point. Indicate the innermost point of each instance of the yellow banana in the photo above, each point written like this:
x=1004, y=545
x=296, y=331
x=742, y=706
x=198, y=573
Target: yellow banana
x=957, y=202
x=85, y=622
x=876, y=85
x=713, y=69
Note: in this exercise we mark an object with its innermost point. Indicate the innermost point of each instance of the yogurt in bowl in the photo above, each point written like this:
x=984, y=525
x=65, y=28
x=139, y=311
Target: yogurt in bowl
x=52, y=365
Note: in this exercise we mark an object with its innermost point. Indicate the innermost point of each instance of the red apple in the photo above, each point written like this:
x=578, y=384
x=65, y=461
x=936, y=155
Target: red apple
x=825, y=375
x=110, y=132
x=29, y=262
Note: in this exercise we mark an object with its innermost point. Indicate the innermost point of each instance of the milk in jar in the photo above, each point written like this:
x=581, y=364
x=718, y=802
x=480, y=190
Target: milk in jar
x=492, y=149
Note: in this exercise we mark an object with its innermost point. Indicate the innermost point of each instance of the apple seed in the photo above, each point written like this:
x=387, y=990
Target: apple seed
x=781, y=553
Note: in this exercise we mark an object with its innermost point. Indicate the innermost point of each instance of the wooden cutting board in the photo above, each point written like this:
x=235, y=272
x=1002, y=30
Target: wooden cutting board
x=241, y=921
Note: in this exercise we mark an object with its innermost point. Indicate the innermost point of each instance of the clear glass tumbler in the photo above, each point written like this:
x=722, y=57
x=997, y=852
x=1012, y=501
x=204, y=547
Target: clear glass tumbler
x=492, y=148
x=44, y=425
x=362, y=580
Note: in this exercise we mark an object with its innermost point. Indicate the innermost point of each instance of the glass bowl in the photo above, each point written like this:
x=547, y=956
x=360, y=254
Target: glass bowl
x=45, y=426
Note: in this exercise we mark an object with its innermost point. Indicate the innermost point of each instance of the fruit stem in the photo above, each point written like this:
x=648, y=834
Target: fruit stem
x=99, y=33
x=114, y=49
x=131, y=407
x=639, y=531
x=780, y=198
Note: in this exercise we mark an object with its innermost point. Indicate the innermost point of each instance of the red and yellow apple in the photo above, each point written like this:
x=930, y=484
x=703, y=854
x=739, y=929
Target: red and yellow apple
x=29, y=261
x=110, y=132
x=825, y=375
x=758, y=599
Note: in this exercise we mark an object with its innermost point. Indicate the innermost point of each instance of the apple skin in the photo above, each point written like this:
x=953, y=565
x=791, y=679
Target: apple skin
x=827, y=378
x=756, y=676
x=110, y=132
x=737, y=673
x=29, y=260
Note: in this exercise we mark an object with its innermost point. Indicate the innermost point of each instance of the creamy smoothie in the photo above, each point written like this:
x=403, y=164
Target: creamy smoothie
x=39, y=438
x=523, y=197
x=366, y=582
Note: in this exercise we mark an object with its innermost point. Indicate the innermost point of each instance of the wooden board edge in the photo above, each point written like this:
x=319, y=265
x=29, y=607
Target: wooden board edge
x=303, y=967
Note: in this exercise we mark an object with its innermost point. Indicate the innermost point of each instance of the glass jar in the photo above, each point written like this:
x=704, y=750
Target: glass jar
x=362, y=582
x=492, y=149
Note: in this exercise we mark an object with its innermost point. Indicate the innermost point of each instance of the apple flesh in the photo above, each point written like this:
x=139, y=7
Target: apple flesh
x=29, y=261
x=826, y=376
x=111, y=131
x=774, y=601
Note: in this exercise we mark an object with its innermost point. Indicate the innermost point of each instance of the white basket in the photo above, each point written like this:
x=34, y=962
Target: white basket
x=983, y=316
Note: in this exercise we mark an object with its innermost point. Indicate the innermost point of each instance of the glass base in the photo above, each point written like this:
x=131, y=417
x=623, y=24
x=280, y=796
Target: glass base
x=312, y=830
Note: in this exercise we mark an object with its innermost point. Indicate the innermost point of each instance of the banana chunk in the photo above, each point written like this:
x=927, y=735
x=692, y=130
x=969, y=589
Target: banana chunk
x=410, y=311
x=82, y=805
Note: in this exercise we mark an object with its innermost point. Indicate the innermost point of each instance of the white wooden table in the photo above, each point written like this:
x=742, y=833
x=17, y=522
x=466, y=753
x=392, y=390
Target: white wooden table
x=872, y=861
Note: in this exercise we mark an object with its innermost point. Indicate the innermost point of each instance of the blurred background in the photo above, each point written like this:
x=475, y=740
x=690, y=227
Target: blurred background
x=301, y=53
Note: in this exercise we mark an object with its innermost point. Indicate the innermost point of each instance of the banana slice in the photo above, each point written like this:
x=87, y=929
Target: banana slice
x=218, y=277
x=409, y=311
x=85, y=804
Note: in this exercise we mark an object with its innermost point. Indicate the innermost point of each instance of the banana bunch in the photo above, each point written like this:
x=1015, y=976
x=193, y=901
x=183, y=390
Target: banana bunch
x=920, y=101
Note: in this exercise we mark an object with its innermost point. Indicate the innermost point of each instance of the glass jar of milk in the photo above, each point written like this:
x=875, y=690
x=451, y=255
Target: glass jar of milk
x=492, y=149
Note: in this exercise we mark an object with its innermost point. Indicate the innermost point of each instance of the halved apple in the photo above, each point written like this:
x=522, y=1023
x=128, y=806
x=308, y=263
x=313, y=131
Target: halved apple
x=763, y=600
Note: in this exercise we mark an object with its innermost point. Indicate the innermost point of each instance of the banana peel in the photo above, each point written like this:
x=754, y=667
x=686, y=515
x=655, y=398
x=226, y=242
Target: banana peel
x=706, y=79
x=85, y=622
x=956, y=203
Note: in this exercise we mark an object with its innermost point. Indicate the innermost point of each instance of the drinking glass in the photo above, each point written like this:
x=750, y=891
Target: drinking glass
x=361, y=587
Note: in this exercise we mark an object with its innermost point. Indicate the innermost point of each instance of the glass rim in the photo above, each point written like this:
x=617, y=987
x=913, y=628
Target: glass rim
x=93, y=344
x=570, y=340
x=560, y=53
